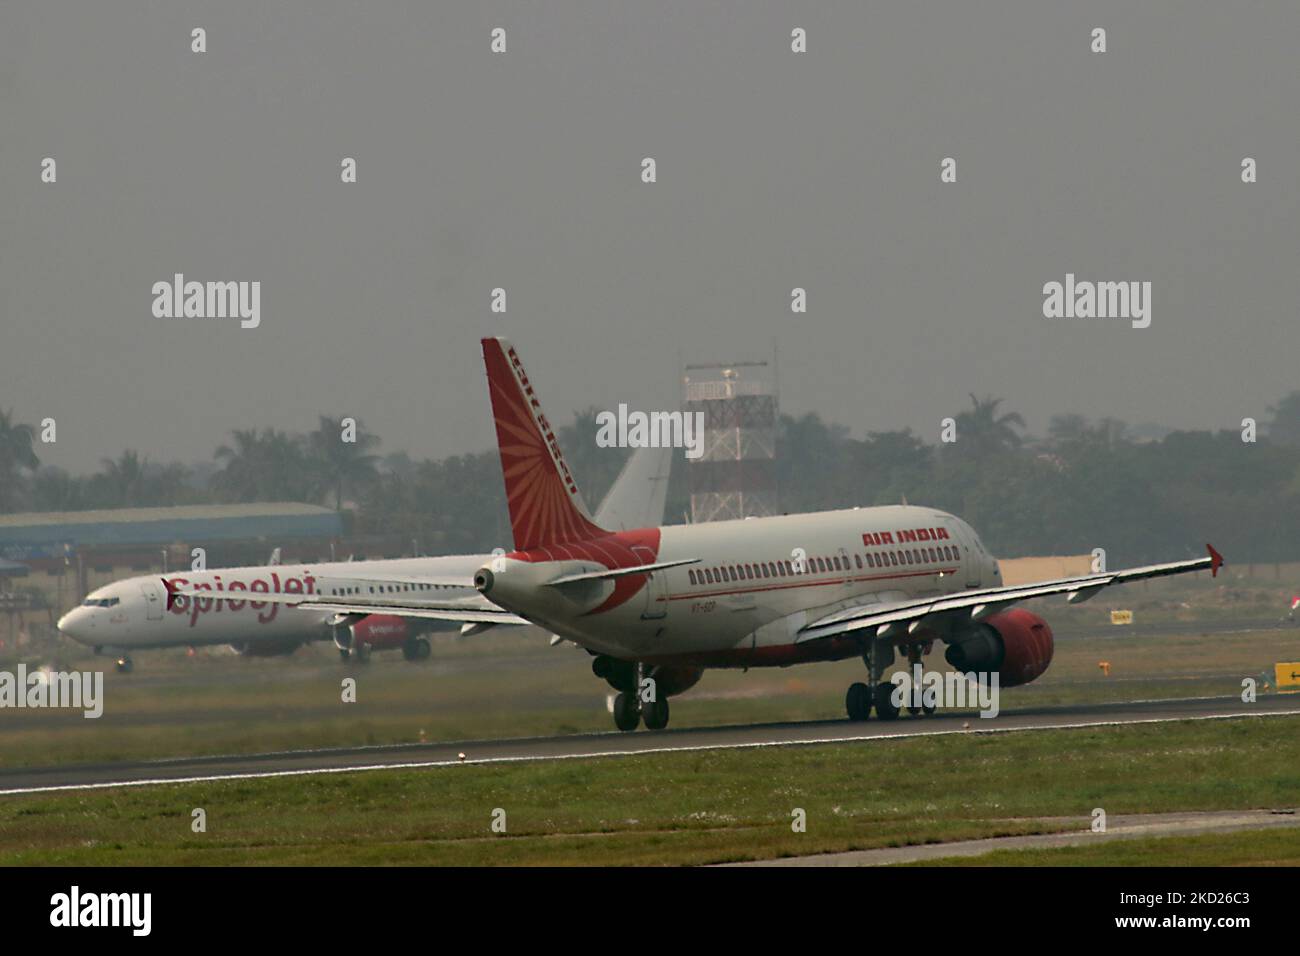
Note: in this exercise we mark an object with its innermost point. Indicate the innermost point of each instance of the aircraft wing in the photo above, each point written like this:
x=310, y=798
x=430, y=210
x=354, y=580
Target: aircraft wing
x=416, y=604
x=978, y=603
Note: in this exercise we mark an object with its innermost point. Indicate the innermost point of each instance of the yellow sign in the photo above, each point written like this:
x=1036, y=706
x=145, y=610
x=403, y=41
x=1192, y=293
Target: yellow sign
x=1287, y=676
x=1121, y=617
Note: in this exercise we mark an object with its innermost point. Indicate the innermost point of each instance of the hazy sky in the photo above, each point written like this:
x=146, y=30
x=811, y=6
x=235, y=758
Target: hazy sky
x=522, y=170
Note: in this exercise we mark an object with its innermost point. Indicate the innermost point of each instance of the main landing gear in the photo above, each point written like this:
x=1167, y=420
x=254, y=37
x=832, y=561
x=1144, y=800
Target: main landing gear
x=861, y=698
x=629, y=709
x=416, y=649
x=877, y=693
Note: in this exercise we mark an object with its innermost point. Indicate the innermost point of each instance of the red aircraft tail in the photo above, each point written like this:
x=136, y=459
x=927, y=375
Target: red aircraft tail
x=545, y=506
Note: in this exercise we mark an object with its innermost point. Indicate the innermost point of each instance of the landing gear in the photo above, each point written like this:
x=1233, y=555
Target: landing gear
x=629, y=680
x=916, y=701
x=627, y=712
x=876, y=693
x=416, y=649
x=884, y=701
x=124, y=665
x=656, y=714
x=858, y=701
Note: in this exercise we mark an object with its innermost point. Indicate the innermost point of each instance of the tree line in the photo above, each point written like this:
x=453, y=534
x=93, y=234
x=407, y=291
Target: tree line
x=1084, y=484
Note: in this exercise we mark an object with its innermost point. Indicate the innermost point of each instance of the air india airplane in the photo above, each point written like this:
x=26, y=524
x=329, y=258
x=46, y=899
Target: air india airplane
x=132, y=614
x=658, y=606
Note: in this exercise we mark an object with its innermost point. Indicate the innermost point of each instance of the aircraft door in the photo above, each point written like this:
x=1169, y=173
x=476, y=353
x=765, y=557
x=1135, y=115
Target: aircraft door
x=656, y=588
x=153, y=605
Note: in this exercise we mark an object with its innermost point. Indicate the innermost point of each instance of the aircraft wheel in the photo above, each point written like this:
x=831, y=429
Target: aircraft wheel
x=884, y=701
x=124, y=665
x=626, y=713
x=858, y=701
x=656, y=714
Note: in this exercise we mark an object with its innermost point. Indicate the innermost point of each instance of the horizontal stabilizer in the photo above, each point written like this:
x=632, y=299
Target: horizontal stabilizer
x=620, y=572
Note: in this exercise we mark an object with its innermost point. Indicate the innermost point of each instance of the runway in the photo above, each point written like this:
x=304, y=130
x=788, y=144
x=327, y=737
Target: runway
x=578, y=746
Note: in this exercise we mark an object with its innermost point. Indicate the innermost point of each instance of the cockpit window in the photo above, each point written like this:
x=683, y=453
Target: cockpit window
x=101, y=602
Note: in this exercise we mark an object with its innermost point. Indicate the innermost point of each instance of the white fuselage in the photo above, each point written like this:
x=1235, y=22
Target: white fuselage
x=744, y=602
x=132, y=613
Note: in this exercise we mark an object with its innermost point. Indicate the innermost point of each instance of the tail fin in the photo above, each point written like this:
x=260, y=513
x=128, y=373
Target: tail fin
x=545, y=506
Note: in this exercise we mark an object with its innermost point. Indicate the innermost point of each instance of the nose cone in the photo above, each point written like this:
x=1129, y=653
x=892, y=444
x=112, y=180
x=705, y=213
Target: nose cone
x=78, y=624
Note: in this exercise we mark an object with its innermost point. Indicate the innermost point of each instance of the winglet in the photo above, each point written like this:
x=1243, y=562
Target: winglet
x=1216, y=560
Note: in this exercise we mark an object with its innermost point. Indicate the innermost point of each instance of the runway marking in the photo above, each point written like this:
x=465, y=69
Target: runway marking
x=529, y=758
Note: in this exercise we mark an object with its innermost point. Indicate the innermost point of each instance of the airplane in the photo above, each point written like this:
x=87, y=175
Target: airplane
x=657, y=606
x=132, y=614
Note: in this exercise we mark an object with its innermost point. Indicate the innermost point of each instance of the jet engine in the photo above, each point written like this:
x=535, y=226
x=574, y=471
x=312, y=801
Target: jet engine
x=377, y=632
x=1015, y=643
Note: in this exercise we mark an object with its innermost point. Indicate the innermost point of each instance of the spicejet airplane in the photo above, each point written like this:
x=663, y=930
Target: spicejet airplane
x=132, y=614
x=658, y=606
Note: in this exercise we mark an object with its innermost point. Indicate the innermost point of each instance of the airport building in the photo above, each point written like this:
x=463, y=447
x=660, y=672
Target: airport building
x=65, y=555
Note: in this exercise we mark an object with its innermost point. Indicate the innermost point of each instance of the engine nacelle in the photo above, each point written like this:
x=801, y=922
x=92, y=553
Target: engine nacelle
x=1015, y=643
x=276, y=648
x=378, y=631
x=671, y=681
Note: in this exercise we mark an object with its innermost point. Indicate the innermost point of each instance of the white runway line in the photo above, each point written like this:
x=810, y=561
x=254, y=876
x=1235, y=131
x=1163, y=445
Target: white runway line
x=527, y=758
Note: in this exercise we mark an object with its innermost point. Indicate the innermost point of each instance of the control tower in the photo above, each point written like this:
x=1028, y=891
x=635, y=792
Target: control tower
x=736, y=475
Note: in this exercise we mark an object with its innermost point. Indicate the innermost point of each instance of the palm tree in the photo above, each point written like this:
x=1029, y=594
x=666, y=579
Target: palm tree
x=53, y=489
x=1285, y=427
x=338, y=463
x=266, y=466
x=122, y=480
x=983, y=431
x=16, y=455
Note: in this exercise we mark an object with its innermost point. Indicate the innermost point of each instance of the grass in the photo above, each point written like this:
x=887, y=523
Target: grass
x=681, y=808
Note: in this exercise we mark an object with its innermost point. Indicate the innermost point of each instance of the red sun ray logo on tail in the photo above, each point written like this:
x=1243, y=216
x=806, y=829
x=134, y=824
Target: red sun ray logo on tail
x=545, y=506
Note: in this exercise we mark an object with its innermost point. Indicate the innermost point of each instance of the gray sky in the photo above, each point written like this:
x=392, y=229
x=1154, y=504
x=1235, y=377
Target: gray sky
x=522, y=170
